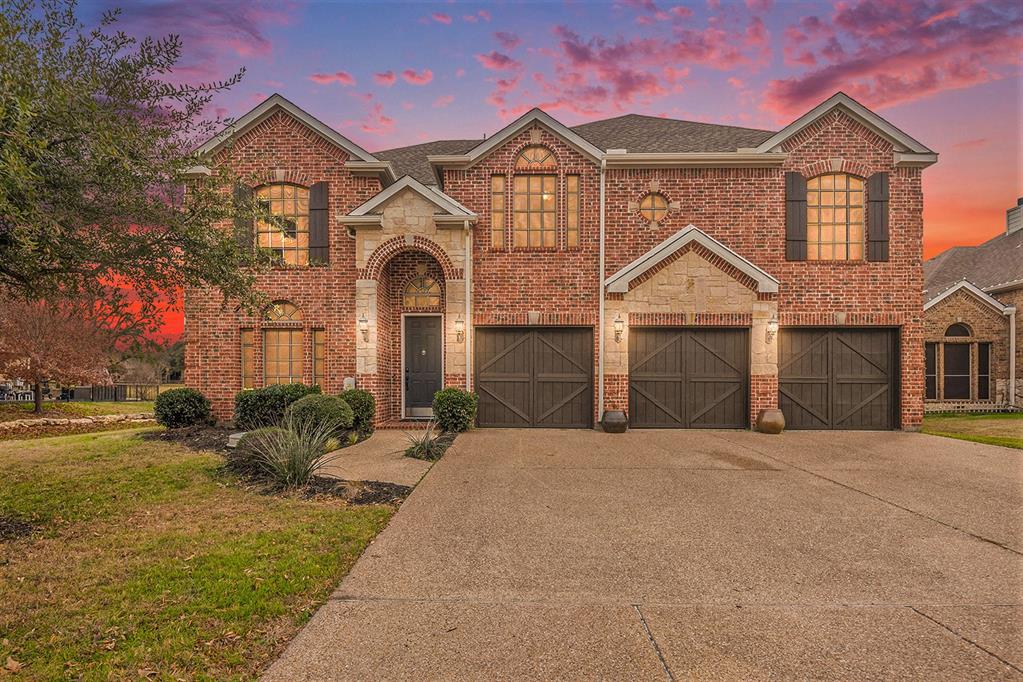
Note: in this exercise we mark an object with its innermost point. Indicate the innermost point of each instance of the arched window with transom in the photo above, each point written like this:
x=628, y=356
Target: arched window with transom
x=958, y=329
x=535, y=199
x=282, y=348
x=422, y=292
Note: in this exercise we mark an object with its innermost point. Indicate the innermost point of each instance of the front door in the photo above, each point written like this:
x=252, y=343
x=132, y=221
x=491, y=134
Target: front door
x=423, y=370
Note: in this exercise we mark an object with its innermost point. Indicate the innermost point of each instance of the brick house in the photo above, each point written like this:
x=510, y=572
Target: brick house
x=689, y=274
x=973, y=344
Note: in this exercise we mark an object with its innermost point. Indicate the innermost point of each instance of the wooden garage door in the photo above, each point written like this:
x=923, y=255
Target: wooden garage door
x=535, y=377
x=691, y=378
x=838, y=378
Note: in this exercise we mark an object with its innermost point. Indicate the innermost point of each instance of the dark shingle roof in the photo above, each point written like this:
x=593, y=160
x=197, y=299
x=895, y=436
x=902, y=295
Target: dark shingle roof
x=633, y=132
x=412, y=160
x=996, y=262
x=651, y=134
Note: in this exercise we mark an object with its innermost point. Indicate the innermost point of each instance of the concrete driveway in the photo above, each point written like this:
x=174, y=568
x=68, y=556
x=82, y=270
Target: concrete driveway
x=678, y=555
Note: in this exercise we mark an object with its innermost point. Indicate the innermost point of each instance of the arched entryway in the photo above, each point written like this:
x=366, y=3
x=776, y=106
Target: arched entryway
x=410, y=313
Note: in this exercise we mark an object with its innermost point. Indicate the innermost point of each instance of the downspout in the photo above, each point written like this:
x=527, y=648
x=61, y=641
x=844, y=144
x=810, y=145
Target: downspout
x=468, y=307
x=600, y=315
x=1011, y=312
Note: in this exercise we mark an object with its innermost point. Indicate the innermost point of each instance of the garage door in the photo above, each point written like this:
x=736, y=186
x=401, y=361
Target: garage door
x=838, y=378
x=691, y=378
x=535, y=377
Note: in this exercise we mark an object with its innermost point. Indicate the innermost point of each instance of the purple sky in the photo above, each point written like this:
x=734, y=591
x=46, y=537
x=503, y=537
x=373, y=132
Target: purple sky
x=388, y=74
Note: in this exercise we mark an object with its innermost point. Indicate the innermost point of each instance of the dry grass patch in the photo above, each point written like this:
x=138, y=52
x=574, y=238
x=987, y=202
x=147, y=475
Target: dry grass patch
x=9, y=411
x=150, y=561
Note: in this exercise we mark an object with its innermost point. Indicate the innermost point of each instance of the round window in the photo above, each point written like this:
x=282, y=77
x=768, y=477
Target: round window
x=654, y=207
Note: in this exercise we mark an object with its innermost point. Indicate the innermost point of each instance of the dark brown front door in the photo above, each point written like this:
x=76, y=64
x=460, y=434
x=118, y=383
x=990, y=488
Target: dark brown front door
x=688, y=378
x=423, y=371
x=838, y=378
x=534, y=377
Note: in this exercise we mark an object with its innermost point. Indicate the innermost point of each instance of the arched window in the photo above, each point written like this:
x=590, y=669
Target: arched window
x=282, y=348
x=834, y=217
x=422, y=292
x=653, y=207
x=283, y=311
x=291, y=203
x=958, y=329
x=536, y=157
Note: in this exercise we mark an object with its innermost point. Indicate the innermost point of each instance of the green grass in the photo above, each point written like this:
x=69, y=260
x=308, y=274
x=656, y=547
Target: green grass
x=1004, y=428
x=11, y=411
x=150, y=560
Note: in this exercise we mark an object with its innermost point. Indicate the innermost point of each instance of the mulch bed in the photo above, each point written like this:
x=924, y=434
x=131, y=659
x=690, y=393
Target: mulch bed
x=199, y=438
x=12, y=528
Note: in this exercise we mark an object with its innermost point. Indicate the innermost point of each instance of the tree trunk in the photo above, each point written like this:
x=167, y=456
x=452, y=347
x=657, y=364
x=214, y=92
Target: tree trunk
x=37, y=390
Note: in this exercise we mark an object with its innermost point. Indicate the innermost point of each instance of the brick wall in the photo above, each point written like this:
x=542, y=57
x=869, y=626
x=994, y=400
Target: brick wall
x=986, y=325
x=325, y=294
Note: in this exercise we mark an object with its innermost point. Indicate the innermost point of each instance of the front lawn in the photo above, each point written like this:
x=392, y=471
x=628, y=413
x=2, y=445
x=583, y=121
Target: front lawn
x=1004, y=429
x=148, y=561
x=10, y=411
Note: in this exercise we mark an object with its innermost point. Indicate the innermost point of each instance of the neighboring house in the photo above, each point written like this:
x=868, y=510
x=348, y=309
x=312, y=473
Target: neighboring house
x=689, y=274
x=973, y=341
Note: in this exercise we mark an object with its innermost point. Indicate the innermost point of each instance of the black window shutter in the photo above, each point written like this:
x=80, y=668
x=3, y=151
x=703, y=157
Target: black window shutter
x=243, y=223
x=877, y=217
x=795, y=216
x=318, y=232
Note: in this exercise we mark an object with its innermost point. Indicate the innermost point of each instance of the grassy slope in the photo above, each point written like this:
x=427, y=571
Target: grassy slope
x=1005, y=429
x=149, y=559
x=11, y=411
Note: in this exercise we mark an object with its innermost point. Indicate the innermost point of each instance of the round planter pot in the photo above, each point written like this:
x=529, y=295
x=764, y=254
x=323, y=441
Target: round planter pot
x=614, y=421
x=770, y=421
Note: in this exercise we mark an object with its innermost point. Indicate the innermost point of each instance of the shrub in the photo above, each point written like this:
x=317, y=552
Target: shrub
x=266, y=406
x=455, y=409
x=317, y=409
x=426, y=443
x=182, y=407
x=291, y=455
x=364, y=406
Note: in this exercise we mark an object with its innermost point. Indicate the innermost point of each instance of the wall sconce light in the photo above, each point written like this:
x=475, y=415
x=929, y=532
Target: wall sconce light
x=364, y=327
x=460, y=329
x=772, y=329
x=619, y=328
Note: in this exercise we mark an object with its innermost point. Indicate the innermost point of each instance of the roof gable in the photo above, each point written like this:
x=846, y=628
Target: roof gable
x=431, y=194
x=900, y=140
x=266, y=109
x=972, y=289
x=619, y=282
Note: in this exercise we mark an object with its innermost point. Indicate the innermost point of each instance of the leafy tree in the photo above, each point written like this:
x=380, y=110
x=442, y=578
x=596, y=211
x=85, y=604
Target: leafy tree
x=67, y=341
x=96, y=141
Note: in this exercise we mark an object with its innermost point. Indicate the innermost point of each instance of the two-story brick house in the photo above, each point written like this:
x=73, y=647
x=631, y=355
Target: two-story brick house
x=689, y=274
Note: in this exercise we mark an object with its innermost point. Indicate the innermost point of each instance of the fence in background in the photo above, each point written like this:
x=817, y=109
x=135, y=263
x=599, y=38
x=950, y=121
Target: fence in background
x=116, y=393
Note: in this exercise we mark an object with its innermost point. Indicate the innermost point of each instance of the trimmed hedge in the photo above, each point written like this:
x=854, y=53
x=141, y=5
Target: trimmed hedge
x=266, y=406
x=455, y=409
x=180, y=407
x=364, y=406
x=320, y=409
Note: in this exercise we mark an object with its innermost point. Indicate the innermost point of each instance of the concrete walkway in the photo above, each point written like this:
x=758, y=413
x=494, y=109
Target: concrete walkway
x=381, y=458
x=669, y=555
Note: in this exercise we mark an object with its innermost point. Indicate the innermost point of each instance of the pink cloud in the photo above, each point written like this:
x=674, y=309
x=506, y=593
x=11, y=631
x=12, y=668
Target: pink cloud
x=975, y=143
x=496, y=61
x=376, y=122
x=441, y=18
x=408, y=106
x=759, y=5
x=443, y=101
x=214, y=34
x=385, y=78
x=339, y=77
x=887, y=53
x=508, y=41
x=459, y=72
x=421, y=78
x=482, y=15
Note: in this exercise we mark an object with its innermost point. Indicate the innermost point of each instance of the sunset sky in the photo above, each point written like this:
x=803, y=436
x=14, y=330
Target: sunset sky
x=948, y=72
